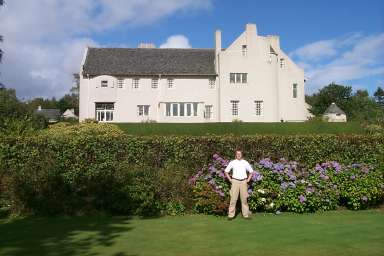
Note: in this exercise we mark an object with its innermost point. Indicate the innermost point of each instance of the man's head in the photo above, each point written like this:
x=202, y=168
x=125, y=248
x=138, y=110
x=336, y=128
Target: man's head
x=238, y=154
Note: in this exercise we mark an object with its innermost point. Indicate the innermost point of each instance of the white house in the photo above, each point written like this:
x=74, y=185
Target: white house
x=251, y=80
x=334, y=114
x=69, y=113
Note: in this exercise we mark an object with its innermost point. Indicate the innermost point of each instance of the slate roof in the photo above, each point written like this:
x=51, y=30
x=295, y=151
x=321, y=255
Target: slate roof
x=50, y=114
x=149, y=61
x=334, y=109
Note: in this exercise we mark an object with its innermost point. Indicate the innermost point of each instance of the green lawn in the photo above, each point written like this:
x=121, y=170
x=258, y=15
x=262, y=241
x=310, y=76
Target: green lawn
x=331, y=233
x=241, y=128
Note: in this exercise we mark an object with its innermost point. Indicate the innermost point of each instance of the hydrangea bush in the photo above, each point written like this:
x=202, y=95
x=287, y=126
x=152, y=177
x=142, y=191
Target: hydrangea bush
x=283, y=185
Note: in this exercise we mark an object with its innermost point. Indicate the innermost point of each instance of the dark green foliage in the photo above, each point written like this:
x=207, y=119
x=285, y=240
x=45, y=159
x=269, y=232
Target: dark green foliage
x=96, y=167
x=241, y=128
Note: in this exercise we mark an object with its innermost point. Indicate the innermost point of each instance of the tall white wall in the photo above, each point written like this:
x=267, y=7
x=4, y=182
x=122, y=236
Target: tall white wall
x=266, y=81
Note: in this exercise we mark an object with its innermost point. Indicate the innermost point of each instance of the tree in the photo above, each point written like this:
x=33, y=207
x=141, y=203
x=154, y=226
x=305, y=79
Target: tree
x=379, y=96
x=339, y=94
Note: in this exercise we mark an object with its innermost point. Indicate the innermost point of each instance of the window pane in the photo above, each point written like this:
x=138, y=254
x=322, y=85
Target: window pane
x=175, y=109
x=238, y=78
x=232, y=78
x=244, y=78
x=168, y=109
x=294, y=90
x=146, y=110
x=195, y=108
x=181, y=109
x=189, y=108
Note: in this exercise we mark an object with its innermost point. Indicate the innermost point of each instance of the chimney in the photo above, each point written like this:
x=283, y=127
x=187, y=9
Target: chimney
x=217, y=49
x=146, y=45
x=251, y=29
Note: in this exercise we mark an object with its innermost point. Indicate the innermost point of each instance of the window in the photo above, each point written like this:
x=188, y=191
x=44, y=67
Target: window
x=294, y=90
x=208, y=112
x=282, y=63
x=120, y=83
x=135, y=83
x=258, y=107
x=238, y=78
x=104, y=112
x=155, y=83
x=168, y=109
x=232, y=78
x=104, y=83
x=170, y=82
x=181, y=108
x=235, y=107
x=142, y=110
x=211, y=83
x=244, y=50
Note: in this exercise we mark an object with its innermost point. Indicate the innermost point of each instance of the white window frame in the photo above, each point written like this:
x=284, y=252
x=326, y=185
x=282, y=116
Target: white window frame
x=294, y=90
x=143, y=110
x=238, y=78
x=208, y=112
x=120, y=83
x=282, y=63
x=212, y=83
x=244, y=50
x=181, y=109
x=135, y=83
x=259, y=107
x=170, y=83
x=104, y=111
x=155, y=83
x=104, y=83
x=235, y=107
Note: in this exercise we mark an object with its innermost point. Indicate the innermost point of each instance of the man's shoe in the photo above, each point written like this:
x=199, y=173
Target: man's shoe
x=230, y=218
x=248, y=218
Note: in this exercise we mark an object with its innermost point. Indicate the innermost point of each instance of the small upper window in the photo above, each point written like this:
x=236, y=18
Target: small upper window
x=244, y=50
x=104, y=83
x=135, y=83
x=212, y=83
x=170, y=82
x=155, y=83
x=294, y=90
x=282, y=63
x=120, y=83
x=238, y=78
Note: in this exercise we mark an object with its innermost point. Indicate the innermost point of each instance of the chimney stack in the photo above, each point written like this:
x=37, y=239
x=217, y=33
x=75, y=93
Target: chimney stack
x=217, y=41
x=146, y=45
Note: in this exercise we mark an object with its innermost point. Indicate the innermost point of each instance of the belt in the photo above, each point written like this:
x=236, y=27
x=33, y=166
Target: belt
x=239, y=180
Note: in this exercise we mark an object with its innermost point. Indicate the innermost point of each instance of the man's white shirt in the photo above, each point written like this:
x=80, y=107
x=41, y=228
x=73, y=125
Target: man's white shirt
x=239, y=169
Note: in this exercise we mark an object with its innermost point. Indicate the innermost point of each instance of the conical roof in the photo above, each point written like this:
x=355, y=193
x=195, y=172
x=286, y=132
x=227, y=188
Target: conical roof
x=334, y=109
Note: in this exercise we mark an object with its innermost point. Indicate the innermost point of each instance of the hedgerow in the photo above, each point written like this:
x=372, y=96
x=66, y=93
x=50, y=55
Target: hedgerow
x=93, y=167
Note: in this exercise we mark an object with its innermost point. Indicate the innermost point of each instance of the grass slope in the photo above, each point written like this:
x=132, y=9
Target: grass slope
x=240, y=128
x=331, y=233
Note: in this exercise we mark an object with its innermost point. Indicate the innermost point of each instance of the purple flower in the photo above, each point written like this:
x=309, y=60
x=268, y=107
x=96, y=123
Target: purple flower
x=310, y=190
x=302, y=199
x=318, y=168
x=256, y=176
x=192, y=180
x=284, y=186
x=221, y=174
x=215, y=156
x=250, y=191
x=353, y=177
x=221, y=194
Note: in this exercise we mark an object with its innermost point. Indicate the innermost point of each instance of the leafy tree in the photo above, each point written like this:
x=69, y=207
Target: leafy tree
x=338, y=94
x=379, y=96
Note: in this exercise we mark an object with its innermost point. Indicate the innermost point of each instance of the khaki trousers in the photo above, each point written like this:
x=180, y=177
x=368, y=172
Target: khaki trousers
x=236, y=188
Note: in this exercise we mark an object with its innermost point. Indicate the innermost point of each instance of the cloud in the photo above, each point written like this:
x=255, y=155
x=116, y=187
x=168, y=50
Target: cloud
x=176, y=41
x=341, y=60
x=45, y=39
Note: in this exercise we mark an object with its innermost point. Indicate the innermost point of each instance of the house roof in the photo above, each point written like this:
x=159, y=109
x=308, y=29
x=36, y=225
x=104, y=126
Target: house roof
x=149, y=61
x=334, y=109
x=50, y=114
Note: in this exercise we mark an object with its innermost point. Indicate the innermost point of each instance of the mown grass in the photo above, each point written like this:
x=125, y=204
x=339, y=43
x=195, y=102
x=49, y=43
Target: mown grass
x=330, y=233
x=241, y=128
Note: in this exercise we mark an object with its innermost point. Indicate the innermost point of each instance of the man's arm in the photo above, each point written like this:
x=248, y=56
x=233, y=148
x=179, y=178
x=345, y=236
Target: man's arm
x=250, y=171
x=227, y=170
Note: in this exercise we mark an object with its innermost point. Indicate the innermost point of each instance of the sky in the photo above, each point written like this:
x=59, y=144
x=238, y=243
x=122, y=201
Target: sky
x=339, y=41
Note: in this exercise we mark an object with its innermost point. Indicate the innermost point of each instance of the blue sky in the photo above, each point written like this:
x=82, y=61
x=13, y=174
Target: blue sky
x=340, y=40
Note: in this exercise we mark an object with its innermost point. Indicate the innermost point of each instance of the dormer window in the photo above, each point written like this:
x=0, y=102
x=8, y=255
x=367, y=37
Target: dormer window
x=170, y=83
x=104, y=83
x=244, y=50
x=212, y=83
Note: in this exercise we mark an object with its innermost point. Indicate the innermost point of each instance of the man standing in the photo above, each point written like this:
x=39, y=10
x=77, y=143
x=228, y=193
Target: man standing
x=239, y=181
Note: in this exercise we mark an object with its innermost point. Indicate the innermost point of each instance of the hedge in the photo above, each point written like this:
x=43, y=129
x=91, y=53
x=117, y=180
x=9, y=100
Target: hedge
x=88, y=158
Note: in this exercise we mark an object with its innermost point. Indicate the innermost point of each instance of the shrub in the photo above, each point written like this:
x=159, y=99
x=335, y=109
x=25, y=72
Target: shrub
x=288, y=186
